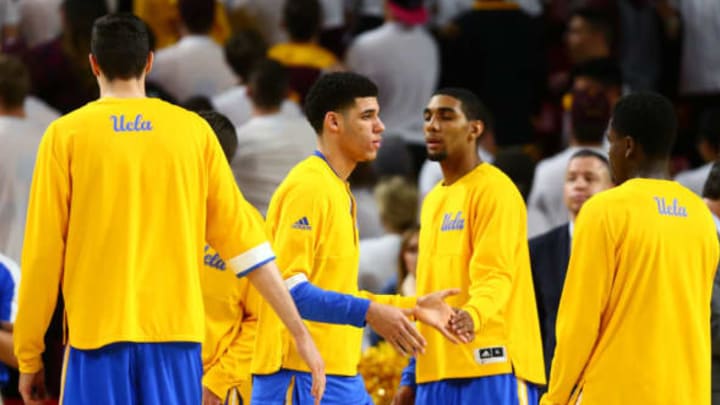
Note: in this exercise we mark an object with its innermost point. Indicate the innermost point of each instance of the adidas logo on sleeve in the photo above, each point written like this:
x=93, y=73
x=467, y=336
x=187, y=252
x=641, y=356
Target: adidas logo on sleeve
x=302, y=224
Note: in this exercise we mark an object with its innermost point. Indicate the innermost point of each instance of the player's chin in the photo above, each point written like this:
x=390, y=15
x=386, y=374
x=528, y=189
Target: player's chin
x=370, y=155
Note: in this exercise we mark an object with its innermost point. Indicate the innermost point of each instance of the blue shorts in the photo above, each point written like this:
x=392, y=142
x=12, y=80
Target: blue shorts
x=504, y=389
x=271, y=389
x=134, y=373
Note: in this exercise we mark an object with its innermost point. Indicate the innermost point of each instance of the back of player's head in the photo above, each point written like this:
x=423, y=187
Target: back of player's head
x=14, y=82
x=711, y=189
x=120, y=44
x=471, y=106
x=335, y=92
x=269, y=84
x=649, y=119
x=243, y=50
x=224, y=130
x=710, y=127
x=598, y=20
x=302, y=19
x=197, y=15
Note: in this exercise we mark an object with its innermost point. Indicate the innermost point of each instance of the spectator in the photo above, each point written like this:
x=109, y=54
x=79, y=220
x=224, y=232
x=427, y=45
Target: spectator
x=271, y=142
x=397, y=201
x=242, y=51
x=403, y=59
x=301, y=54
x=195, y=65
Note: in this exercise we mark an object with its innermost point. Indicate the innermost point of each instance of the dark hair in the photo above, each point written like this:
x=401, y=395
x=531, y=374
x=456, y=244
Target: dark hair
x=14, y=82
x=120, y=45
x=243, y=49
x=649, y=119
x=302, y=19
x=711, y=189
x=224, y=130
x=598, y=20
x=710, y=127
x=471, y=106
x=269, y=84
x=583, y=153
x=602, y=70
x=197, y=104
x=334, y=92
x=197, y=15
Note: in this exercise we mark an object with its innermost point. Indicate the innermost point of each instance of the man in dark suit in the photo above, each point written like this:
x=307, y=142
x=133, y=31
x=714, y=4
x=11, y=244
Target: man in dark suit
x=587, y=173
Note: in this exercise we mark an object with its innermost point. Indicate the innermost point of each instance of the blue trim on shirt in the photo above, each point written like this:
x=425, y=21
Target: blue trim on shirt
x=316, y=304
x=255, y=267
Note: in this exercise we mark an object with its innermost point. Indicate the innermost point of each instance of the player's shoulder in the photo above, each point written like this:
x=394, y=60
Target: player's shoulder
x=308, y=175
x=494, y=182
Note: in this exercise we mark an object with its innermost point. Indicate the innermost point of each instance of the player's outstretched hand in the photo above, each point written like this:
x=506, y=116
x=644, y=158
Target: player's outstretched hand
x=393, y=324
x=32, y=387
x=431, y=309
x=209, y=398
x=404, y=396
x=309, y=352
x=462, y=325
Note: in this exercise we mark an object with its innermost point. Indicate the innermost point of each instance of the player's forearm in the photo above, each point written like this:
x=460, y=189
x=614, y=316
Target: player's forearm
x=266, y=279
x=37, y=298
x=319, y=305
x=488, y=296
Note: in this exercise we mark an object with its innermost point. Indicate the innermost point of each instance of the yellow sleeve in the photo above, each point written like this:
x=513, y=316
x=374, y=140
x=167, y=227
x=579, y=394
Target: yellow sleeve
x=296, y=245
x=498, y=229
x=234, y=227
x=234, y=363
x=584, y=297
x=398, y=301
x=44, y=250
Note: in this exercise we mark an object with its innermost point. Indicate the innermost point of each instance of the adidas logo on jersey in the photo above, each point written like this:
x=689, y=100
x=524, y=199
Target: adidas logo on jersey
x=490, y=355
x=302, y=223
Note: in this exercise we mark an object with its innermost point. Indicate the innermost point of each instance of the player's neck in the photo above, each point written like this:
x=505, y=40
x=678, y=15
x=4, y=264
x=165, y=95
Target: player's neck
x=339, y=163
x=455, y=168
x=123, y=88
x=657, y=169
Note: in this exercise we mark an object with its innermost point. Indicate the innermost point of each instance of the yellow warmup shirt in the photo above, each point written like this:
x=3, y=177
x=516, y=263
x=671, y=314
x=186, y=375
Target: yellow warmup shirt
x=473, y=236
x=302, y=54
x=633, y=325
x=231, y=306
x=124, y=195
x=311, y=221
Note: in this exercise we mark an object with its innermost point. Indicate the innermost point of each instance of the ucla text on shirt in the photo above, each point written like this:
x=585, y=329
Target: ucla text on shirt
x=450, y=224
x=673, y=210
x=121, y=124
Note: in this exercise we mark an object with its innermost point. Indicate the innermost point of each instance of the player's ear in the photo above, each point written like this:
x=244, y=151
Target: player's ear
x=477, y=128
x=333, y=121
